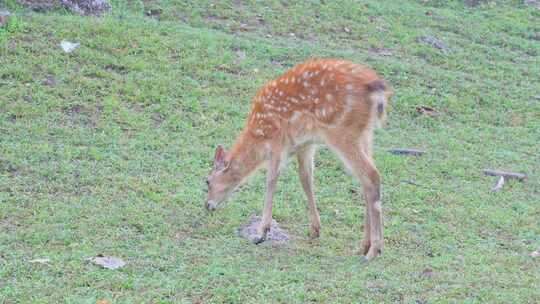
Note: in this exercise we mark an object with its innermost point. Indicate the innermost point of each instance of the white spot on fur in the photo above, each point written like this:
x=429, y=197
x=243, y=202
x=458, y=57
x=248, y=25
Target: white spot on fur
x=377, y=206
x=295, y=116
x=349, y=87
x=329, y=97
x=356, y=69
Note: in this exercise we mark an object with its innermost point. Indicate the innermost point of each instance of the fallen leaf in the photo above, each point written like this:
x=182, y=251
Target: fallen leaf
x=49, y=81
x=434, y=42
x=69, y=47
x=241, y=55
x=108, y=262
x=535, y=254
x=155, y=12
x=428, y=273
x=427, y=111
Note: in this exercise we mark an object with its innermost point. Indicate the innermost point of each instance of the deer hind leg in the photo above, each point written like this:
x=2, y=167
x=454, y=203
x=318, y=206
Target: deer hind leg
x=271, y=181
x=357, y=157
x=366, y=241
x=305, y=171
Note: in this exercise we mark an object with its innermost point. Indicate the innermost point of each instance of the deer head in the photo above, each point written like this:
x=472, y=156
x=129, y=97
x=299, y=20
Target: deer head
x=221, y=181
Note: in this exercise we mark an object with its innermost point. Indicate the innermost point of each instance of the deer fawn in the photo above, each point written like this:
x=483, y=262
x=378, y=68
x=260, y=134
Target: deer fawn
x=325, y=101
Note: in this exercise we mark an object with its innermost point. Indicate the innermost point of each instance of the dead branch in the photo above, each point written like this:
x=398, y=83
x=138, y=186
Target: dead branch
x=508, y=175
x=499, y=185
x=410, y=182
x=414, y=152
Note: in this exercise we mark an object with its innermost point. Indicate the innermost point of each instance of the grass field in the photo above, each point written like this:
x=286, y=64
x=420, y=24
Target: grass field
x=105, y=151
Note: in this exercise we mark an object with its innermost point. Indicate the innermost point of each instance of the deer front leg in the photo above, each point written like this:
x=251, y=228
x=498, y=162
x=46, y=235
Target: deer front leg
x=271, y=181
x=305, y=171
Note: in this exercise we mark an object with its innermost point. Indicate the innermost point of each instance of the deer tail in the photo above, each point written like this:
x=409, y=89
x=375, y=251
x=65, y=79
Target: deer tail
x=379, y=94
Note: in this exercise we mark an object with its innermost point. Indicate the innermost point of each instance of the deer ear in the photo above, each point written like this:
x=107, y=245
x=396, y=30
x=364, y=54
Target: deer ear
x=219, y=158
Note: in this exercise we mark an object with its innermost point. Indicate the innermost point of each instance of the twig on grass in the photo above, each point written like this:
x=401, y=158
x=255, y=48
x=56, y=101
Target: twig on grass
x=499, y=185
x=503, y=176
x=414, y=152
x=508, y=175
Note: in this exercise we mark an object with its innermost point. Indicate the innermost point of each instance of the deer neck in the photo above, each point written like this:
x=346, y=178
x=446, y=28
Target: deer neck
x=247, y=155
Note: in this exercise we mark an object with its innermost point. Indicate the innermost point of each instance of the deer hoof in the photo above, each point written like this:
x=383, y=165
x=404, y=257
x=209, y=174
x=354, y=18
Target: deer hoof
x=364, y=246
x=364, y=259
x=257, y=240
x=314, y=233
x=374, y=251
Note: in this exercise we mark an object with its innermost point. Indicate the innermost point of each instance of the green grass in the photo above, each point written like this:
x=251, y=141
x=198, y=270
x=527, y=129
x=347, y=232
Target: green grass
x=112, y=158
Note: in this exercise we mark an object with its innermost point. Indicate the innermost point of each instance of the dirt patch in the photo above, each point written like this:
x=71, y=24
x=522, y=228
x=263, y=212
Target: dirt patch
x=4, y=17
x=87, y=7
x=81, y=7
x=533, y=3
x=40, y=5
x=118, y=69
x=276, y=234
